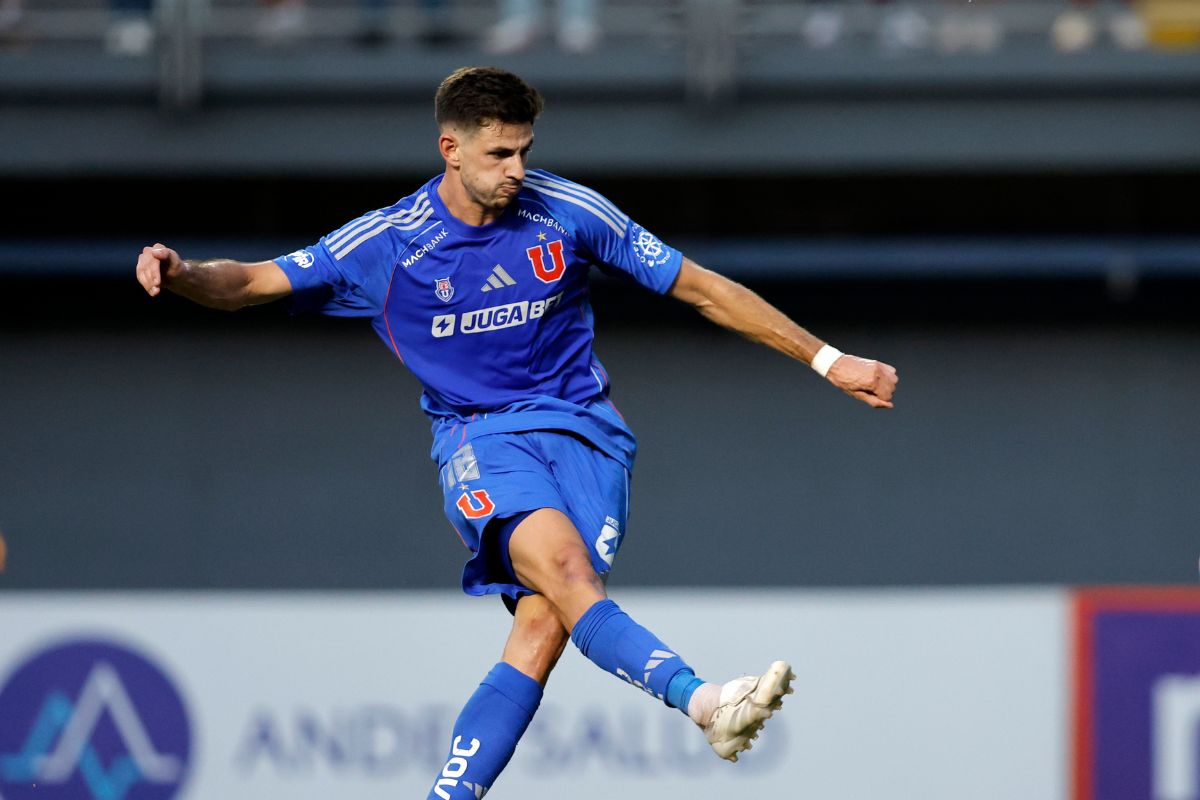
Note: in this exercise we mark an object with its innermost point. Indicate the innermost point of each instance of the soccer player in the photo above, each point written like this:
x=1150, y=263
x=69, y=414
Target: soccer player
x=478, y=282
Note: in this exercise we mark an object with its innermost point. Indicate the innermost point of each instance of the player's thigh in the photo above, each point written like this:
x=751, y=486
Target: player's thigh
x=595, y=488
x=549, y=555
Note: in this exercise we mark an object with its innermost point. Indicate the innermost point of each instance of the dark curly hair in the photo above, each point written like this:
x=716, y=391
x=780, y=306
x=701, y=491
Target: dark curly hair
x=471, y=97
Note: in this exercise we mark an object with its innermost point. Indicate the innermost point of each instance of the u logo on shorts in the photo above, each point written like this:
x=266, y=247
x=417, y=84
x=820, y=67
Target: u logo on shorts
x=469, y=508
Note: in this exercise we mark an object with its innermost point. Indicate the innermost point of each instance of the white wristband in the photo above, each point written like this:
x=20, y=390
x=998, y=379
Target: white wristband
x=824, y=359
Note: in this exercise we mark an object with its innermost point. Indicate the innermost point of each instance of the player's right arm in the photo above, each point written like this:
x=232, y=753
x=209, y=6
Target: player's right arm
x=733, y=306
x=217, y=283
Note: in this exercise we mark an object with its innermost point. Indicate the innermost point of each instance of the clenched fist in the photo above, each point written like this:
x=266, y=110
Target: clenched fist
x=873, y=382
x=151, y=265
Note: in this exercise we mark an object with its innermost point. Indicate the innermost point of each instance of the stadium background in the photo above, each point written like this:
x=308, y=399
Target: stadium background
x=1009, y=219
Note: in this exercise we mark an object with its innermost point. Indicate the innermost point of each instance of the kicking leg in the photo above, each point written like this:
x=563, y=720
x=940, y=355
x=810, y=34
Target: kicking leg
x=548, y=555
x=492, y=722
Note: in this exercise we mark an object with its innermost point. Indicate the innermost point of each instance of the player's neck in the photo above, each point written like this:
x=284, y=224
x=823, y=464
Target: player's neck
x=454, y=196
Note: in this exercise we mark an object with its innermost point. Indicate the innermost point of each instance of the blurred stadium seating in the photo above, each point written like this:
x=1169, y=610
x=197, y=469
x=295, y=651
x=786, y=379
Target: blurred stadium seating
x=723, y=43
x=948, y=27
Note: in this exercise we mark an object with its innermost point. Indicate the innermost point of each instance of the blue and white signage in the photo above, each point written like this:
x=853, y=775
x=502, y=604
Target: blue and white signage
x=91, y=719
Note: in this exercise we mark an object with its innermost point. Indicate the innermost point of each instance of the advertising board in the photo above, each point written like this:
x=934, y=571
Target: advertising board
x=931, y=694
x=1137, y=693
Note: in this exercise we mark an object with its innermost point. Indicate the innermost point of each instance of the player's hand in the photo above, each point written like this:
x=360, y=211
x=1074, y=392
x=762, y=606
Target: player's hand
x=873, y=382
x=152, y=264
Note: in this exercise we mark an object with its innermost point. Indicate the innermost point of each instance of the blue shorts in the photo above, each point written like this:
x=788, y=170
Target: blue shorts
x=500, y=476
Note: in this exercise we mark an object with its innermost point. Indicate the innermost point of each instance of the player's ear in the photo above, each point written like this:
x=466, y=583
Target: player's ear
x=449, y=144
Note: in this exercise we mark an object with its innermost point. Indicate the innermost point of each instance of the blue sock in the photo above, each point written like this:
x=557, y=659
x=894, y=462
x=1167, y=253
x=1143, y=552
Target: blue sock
x=612, y=641
x=486, y=733
x=681, y=688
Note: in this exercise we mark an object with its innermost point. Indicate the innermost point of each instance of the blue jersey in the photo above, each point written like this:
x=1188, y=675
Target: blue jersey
x=494, y=320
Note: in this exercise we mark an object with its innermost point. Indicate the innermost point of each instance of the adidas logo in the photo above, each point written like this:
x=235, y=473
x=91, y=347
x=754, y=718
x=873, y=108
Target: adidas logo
x=498, y=279
x=656, y=658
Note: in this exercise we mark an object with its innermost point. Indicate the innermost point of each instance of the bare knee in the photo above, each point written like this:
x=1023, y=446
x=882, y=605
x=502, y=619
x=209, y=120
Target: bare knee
x=537, y=639
x=570, y=584
x=572, y=569
x=549, y=556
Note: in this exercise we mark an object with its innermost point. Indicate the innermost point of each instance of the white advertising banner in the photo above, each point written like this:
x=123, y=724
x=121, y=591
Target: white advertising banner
x=925, y=694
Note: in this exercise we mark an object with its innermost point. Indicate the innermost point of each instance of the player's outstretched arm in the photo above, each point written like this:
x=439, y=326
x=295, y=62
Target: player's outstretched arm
x=218, y=283
x=737, y=308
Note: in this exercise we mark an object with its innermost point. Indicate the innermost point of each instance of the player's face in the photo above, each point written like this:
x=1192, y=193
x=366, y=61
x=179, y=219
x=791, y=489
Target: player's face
x=492, y=163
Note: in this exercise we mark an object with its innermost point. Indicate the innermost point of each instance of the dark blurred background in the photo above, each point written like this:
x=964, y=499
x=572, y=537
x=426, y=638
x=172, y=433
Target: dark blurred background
x=998, y=197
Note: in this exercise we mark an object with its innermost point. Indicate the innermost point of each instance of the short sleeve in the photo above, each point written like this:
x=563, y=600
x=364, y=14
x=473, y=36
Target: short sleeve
x=322, y=284
x=621, y=245
x=638, y=253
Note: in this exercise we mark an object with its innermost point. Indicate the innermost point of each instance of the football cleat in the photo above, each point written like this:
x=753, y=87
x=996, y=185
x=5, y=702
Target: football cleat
x=746, y=703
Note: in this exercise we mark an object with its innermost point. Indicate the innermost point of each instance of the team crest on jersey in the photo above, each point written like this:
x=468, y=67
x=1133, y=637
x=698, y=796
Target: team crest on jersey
x=443, y=289
x=301, y=258
x=649, y=248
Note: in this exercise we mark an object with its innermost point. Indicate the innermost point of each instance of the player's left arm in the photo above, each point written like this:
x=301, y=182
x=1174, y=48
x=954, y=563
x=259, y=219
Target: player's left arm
x=733, y=306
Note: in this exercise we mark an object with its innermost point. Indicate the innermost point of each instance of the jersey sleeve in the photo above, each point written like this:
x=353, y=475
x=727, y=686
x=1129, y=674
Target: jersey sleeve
x=322, y=283
x=616, y=243
x=628, y=248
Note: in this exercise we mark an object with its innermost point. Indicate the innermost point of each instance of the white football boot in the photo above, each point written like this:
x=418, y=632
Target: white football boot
x=745, y=704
